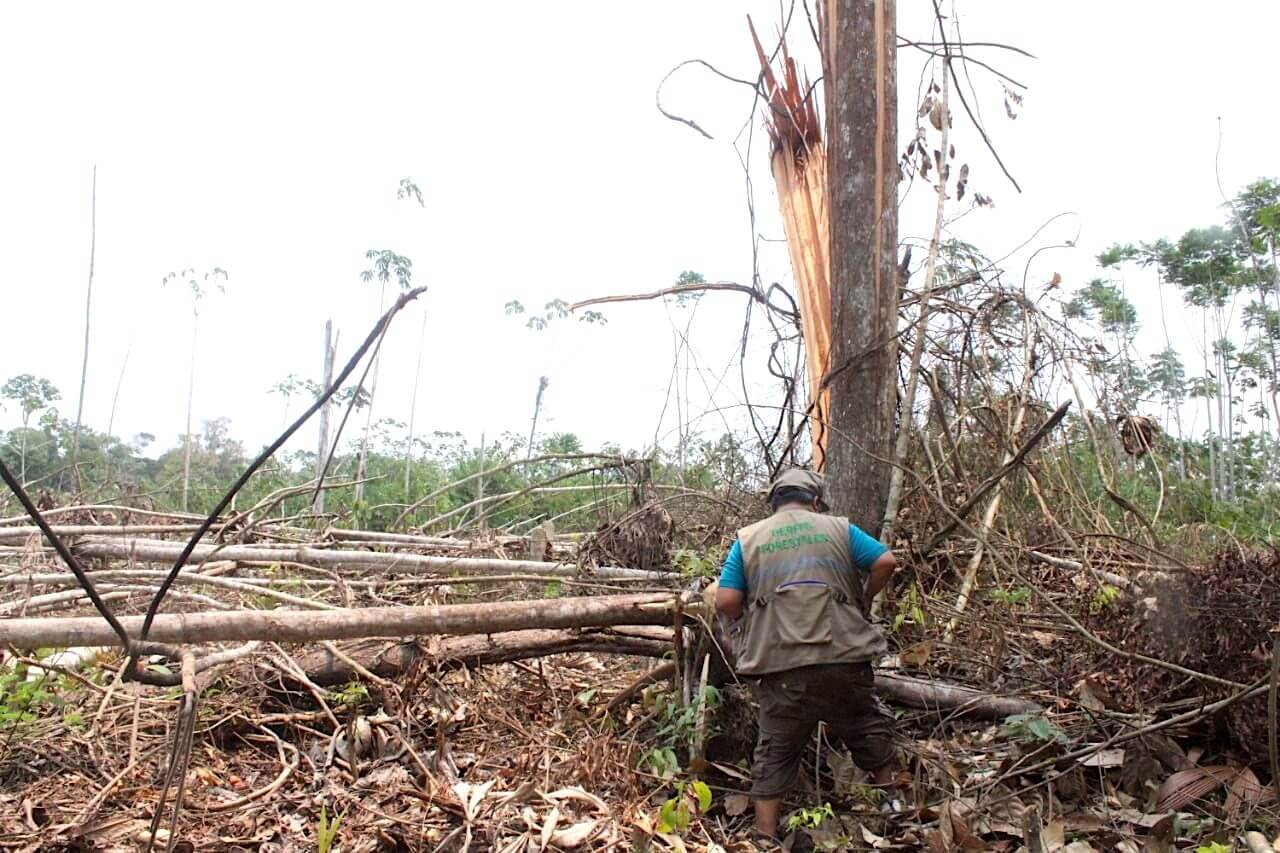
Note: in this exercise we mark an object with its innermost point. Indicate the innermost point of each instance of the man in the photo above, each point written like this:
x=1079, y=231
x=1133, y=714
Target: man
x=798, y=586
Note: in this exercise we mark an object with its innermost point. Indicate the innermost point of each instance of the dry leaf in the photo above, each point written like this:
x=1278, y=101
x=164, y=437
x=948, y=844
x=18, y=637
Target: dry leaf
x=674, y=842
x=877, y=842
x=1245, y=792
x=576, y=793
x=1104, y=758
x=549, y=828
x=1257, y=842
x=1053, y=836
x=1044, y=638
x=1185, y=787
x=917, y=655
x=736, y=804
x=576, y=835
x=470, y=796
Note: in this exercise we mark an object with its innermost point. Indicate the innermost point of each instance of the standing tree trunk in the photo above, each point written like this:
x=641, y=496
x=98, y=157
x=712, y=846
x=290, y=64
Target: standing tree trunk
x=368, y=418
x=191, y=395
x=88, y=307
x=322, y=455
x=413, y=409
x=859, y=69
x=543, y=382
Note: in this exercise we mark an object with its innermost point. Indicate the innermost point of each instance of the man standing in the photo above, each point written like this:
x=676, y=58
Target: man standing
x=799, y=585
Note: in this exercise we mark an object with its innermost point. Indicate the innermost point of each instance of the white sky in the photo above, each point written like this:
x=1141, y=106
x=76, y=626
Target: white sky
x=269, y=139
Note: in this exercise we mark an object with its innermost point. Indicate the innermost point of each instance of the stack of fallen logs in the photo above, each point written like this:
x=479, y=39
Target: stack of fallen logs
x=289, y=584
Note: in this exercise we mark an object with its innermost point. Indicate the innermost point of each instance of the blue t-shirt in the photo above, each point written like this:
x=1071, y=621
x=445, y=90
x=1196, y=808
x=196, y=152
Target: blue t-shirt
x=865, y=552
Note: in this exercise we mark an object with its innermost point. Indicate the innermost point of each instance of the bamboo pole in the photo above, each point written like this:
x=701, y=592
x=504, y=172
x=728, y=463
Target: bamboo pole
x=309, y=626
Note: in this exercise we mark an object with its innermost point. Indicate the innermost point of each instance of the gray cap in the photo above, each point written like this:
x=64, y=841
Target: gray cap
x=800, y=478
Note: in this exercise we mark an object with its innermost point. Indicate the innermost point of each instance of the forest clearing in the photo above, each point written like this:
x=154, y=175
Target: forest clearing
x=1059, y=458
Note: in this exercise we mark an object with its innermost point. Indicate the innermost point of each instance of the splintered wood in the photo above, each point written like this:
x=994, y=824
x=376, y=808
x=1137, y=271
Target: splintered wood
x=799, y=164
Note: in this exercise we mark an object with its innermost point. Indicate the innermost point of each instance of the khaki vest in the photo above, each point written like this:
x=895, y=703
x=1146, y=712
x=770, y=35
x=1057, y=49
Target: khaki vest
x=803, y=603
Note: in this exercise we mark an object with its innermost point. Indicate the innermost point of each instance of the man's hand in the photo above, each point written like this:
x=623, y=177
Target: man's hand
x=709, y=595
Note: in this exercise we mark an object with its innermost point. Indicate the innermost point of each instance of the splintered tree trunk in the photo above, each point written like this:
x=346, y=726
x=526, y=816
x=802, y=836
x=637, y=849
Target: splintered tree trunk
x=859, y=69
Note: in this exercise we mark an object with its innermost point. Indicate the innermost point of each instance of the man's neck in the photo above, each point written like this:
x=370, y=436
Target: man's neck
x=794, y=506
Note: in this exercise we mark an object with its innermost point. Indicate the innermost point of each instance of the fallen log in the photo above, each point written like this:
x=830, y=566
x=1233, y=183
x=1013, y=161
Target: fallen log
x=941, y=696
x=308, y=626
x=150, y=551
x=22, y=534
x=905, y=690
x=395, y=660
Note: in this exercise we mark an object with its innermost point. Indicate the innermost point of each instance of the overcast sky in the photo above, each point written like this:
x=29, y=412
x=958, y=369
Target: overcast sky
x=269, y=139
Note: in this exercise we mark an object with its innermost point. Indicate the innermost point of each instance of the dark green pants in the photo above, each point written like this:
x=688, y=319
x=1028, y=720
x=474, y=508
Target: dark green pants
x=791, y=705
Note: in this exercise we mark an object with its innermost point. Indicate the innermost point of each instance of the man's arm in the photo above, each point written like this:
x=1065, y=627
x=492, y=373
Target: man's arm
x=881, y=570
x=729, y=602
x=732, y=588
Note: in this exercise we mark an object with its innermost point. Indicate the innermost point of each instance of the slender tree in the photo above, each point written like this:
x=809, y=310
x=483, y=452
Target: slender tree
x=409, y=190
x=88, y=309
x=199, y=285
x=384, y=265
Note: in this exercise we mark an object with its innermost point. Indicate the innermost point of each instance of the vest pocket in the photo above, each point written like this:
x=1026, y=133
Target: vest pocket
x=802, y=613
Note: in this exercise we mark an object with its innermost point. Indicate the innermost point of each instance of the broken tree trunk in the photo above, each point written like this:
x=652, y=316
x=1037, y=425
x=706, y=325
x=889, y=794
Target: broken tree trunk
x=146, y=551
x=309, y=626
x=859, y=67
x=799, y=162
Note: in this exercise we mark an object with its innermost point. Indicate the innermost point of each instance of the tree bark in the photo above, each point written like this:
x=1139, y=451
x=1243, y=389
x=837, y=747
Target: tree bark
x=861, y=100
x=310, y=626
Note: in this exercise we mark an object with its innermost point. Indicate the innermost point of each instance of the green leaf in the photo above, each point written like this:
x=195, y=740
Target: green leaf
x=703, y=793
x=667, y=816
